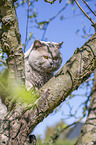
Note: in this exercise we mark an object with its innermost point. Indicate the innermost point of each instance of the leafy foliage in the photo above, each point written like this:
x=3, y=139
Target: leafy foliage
x=13, y=90
x=58, y=142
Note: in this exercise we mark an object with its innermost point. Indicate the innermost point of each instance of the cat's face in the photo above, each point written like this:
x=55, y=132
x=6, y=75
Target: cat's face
x=45, y=56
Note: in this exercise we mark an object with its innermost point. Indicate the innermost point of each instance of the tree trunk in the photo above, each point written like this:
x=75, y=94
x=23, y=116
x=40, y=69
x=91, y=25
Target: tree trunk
x=11, y=40
x=88, y=132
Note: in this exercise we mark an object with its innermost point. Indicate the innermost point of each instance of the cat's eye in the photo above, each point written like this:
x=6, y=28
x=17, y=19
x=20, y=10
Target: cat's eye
x=55, y=58
x=46, y=57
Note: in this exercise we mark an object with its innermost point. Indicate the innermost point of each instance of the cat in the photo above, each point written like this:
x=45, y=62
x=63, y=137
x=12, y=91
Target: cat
x=41, y=61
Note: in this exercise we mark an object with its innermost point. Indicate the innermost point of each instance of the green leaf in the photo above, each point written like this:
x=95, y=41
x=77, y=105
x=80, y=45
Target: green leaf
x=31, y=34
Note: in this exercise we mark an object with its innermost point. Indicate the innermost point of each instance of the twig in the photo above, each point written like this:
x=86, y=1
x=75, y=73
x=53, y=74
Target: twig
x=44, y=33
x=51, y=2
x=59, y=12
x=84, y=12
x=3, y=61
x=89, y=7
x=27, y=26
x=91, y=79
x=57, y=134
x=47, y=22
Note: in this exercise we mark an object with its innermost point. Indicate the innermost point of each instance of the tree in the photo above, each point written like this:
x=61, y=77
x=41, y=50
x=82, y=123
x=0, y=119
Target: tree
x=76, y=70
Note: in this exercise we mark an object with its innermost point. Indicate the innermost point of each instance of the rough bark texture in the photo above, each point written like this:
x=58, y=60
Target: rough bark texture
x=88, y=132
x=11, y=40
x=22, y=120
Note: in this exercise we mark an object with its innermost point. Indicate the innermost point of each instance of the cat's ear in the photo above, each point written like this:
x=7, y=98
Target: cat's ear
x=37, y=44
x=58, y=45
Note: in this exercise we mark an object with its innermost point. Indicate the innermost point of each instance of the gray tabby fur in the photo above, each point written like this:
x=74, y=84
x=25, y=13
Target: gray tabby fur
x=38, y=69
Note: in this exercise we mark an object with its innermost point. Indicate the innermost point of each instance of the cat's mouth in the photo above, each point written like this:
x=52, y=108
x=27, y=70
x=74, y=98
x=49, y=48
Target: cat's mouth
x=52, y=69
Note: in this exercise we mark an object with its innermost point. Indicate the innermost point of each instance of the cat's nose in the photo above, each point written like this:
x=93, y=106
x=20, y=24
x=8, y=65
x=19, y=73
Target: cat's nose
x=51, y=63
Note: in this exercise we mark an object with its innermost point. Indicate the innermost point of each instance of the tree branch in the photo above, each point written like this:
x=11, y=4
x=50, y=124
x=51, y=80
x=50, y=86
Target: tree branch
x=88, y=135
x=3, y=61
x=11, y=41
x=84, y=12
x=51, y=2
x=88, y=7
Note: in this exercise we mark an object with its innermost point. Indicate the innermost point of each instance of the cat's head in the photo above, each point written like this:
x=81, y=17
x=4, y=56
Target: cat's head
x=45, y=56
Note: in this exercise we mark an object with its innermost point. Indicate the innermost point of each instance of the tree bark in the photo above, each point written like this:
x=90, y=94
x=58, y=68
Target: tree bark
x=11, y=40
x=22, y=119
x=88, y=132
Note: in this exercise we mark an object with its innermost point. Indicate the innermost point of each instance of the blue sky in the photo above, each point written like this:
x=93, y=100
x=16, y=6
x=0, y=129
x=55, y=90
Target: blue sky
x=57, y=31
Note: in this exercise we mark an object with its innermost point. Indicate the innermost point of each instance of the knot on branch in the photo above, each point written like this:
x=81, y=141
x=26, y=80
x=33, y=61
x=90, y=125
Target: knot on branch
x=32, y=139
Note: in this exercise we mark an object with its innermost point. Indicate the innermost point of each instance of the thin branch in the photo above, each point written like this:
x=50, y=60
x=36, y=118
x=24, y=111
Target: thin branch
x=91, y=79
x=51, y=2
x=47, y=22
x=84, y=12
x=57, y=134
x=89, y=7
x=27, y=26
x=44, y=33
x=3, y=61
x=58, y=12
